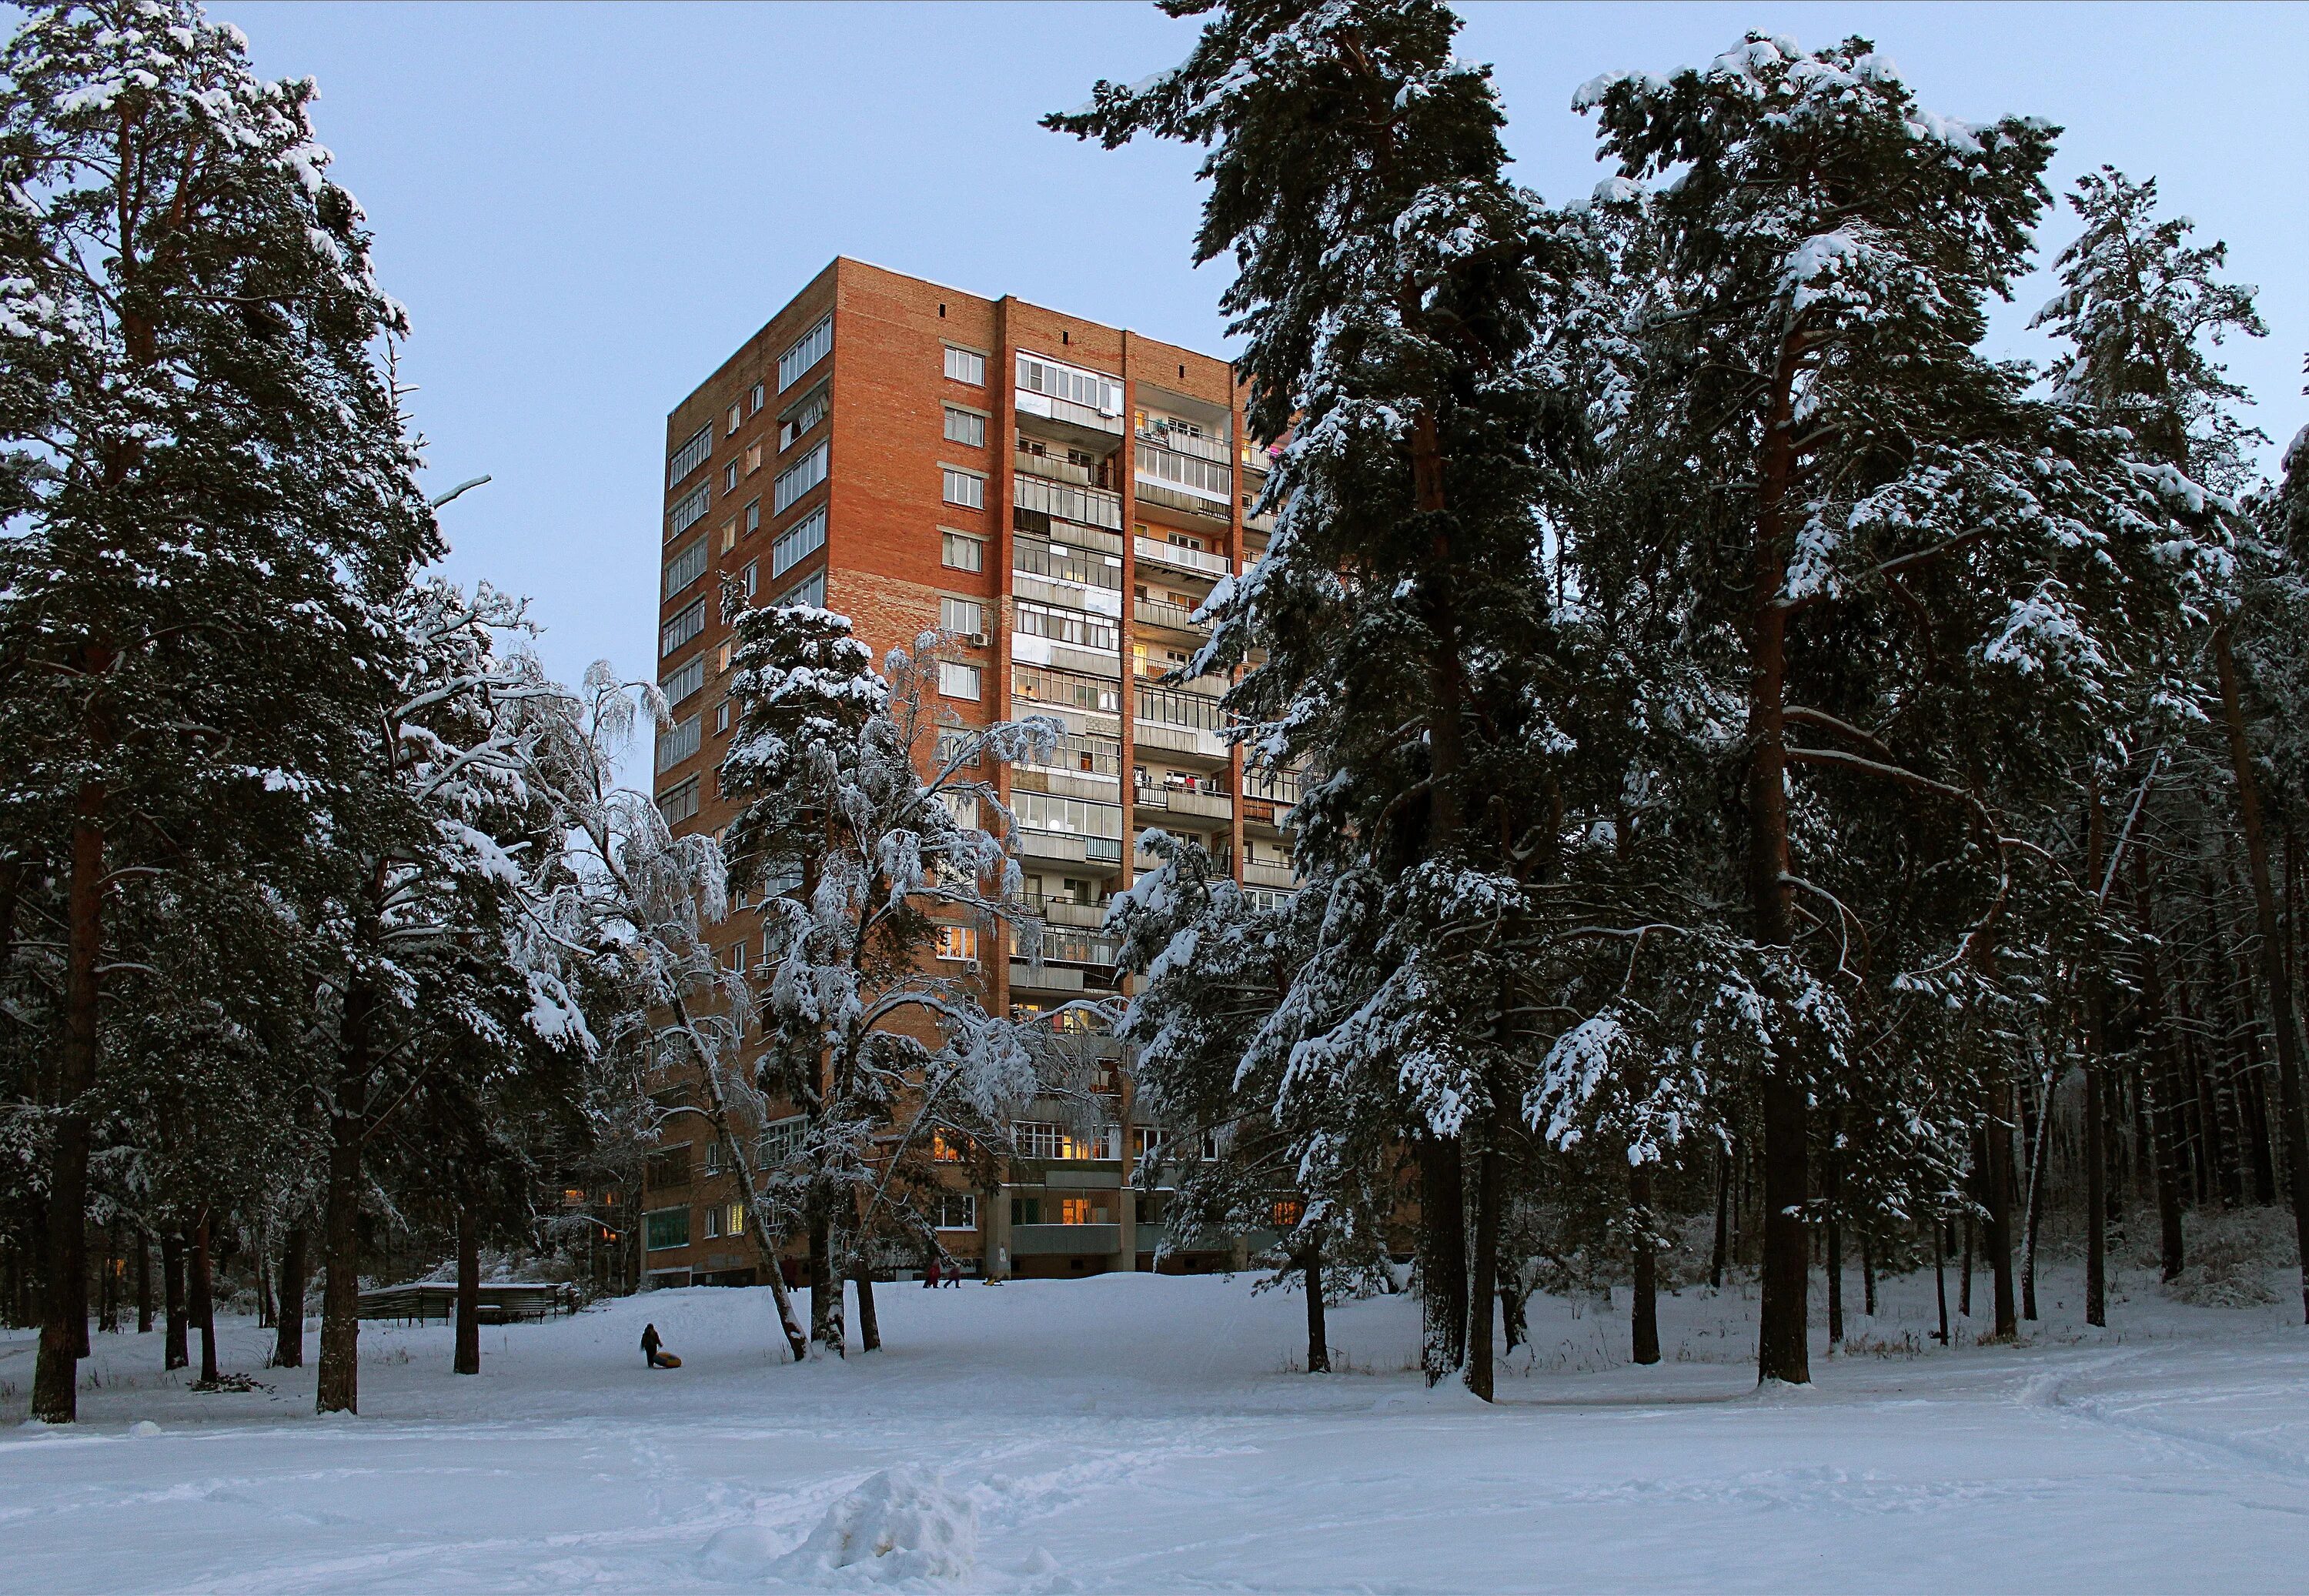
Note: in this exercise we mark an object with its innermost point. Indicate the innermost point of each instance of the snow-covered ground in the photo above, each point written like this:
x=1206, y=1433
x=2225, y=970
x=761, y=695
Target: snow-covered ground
x=1137, y=1432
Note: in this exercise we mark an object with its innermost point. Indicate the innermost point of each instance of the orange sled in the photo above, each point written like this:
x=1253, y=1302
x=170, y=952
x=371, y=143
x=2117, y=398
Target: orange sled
x=668, y=1360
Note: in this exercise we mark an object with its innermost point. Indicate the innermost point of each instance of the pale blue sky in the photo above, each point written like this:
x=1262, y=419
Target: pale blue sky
x=586, y=208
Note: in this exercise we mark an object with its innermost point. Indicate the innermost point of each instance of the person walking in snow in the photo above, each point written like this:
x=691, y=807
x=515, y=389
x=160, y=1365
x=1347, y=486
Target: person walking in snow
x=930, y=1274
x=650, y=1342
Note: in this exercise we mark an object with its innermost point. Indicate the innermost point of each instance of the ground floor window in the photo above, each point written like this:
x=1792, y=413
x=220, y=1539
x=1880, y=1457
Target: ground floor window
x=667, y=1227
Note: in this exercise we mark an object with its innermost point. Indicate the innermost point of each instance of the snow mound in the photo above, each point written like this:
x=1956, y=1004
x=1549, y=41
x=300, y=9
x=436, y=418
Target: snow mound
x=143, y=1426
x=900, y=1526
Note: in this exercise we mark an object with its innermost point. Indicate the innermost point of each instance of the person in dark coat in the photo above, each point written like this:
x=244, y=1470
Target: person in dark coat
x=650, y=1342
x=930, y=1274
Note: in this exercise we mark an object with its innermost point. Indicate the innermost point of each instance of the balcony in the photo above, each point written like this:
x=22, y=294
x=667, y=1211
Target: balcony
x=1202, y=562
x=1043, y=1241
x=1050, y=407
x=1188, y=740
x=1066, y=911
x=1065, y=501
x=1186, y=803
x=1026, y=977
x=1193, y=505
x=1068, y=848
x=1268, y=812
x=1054, y=468
x=1179, y=440
x=1274, y=875
x=1175, y=618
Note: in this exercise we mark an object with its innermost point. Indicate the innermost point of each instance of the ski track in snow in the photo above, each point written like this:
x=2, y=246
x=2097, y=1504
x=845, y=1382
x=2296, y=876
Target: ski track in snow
x=1130, y=1433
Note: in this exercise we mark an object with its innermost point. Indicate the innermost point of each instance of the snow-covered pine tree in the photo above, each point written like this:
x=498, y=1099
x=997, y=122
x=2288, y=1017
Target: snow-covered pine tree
x=2144, y=309
x=209, y=472
x=864, y=865
x=1387, y=291
x=1890, y=561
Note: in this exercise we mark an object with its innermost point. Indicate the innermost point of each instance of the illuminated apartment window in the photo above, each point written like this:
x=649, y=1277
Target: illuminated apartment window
x=958, y=942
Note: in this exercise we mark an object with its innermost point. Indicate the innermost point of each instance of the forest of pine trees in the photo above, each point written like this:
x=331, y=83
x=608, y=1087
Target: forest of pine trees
x=1782, y=785
x=1788, y=796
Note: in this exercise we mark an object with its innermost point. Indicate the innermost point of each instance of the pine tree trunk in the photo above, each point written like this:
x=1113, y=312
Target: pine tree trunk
x=1940, y=1280
x=1718, y=1254
x=63, y=1318
x=289, y=1335
x=1483, y=1275
x=1964, y=1273
x=204, y=1299
x=1443, y=1258
x=107, y=1309
x=1511, y=1314
x=2095, y=1042
x=467, y=1357
x=2278, y=991
x=1867, y=1274
x=869, y=1323
x=1318, y=1339
x=2165, y=1071
x=1996, y=1170
x=1644, y=1310
x=143, y=1283
x=176, y=1348
x=338, y=1387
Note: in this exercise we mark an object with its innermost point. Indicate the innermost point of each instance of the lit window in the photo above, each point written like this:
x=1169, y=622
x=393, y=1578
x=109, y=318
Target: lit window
x=956, y=680
x=946, y=1147
x=1286, y=1212
x=966, y=366
x=966, y=489
x=958, y=942
x=753, y=458
x=959, y=552
x=964, y=428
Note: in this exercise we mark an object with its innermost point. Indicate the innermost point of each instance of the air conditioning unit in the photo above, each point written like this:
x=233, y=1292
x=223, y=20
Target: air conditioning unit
x=976, y=639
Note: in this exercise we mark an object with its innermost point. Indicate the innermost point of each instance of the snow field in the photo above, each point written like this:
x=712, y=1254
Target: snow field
x=1141, y=1433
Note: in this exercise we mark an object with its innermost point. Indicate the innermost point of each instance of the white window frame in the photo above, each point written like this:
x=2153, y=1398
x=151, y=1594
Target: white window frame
x=806, y=352
x=971, y=550
x=966, y=365
x=689, y=510
x=679, y=741
x=798, y=479
x=685, y=567
x=961, y=681
x=969, y=1209
x=961, y=486
x=682, y=796
x=810, y=592
x=686, y=679
x=695, y=452
x=797, y=542
x=964, y=617
x=971, y=425
x=685, y=623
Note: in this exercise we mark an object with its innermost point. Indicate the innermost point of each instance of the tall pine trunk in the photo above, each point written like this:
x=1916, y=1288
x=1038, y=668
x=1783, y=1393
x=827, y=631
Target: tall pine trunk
x=1319, y=1339
x=1443, y=1258
x=337, y=1388
x=1483, y=1274
x=1996, y=1235
x=467, y=1358
x=176, y=1349
x=1717, y=1253
x=2166, y=1070
x=143, y=1283
x=1644, y=1307
x=64, y=1316
x=2278, y=991
x=289, y=1334
x=204, y=1302
x=2095, y=1039
x=870, y=1323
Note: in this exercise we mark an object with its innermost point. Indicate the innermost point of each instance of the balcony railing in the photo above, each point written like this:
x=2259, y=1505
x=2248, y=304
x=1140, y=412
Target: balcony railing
x=1184, y=504
x=1057, y=469
x=1184, y=801
x=1217, y=450
x=1066, y=911
x=1179, y=739
x=1157, y=612
x=1201, y=561
x=1279, y=876
x=1064, y=501
x=1061, y=563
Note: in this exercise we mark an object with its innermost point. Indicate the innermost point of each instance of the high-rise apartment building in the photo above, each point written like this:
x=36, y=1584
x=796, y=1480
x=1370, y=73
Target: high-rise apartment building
x=1059, y=496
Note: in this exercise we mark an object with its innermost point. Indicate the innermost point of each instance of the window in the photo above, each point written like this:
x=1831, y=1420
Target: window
x=681, y=628
x=1077, y=627
x=958, y=746
x=798, y=479
x=690, y=511
x=808, y=594
x=1086, y=1211
x=685, y=681
x=733, y=1220
x=713, y=1222
x=1090, y=507
x=947, y=1147
x=751, y=577
x=801, y=418
x=957, y=680
x=754, y=399
x=1026, y=1211
x=753, y=458
x=958, y=551
x=667, y=1166
x=962, y=427
x=667, y=1227
x=722, y=717
x=713, y=1156
x=958, y=942
x=797, y=542
x=677, y=743
x=965, y=616
x=689, y=456
x=781, y=1143
x=736, y=415
x=1070, y=382
x=807, y=350
x=729, y=534
x=753, y=518
x=959, y=1210
x=966, y=366
x=1066, y=688
x=679, y=803
x=1285, y=1213
x=1077, y=817
x=1044, y=1139
x=962, y=807
x=685, y=568
x=964, y=487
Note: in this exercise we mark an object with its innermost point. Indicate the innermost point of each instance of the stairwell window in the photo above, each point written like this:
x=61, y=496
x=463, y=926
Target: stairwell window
x=966, y=366
x=958, y=551
x=964, y=426
x=729, y=478
x=754, y=399
x=798, y=479
x=753, y=518
x=806, y=351
x=753, y=458
x=956, y=680
x=797, y=542
x=964, y=487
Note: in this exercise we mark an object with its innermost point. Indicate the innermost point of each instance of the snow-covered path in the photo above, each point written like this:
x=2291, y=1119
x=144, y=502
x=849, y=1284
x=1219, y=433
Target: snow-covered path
x=1135, y=1433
